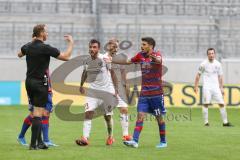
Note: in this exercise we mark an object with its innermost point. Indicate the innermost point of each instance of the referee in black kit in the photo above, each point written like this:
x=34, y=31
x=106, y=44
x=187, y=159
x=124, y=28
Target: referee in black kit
x=38, y=57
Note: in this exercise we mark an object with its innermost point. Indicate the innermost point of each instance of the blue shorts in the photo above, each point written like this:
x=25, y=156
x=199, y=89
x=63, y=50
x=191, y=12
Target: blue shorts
x=48, y=106
x=152, y=105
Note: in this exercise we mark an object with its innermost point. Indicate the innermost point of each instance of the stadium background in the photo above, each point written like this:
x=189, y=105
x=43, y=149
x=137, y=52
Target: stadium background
x=183, y=30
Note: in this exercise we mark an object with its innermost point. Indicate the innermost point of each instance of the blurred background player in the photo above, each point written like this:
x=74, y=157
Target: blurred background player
x=151, y=98
x=212, y=72
x=119, y=72
x=97, y=74
x=38, y=58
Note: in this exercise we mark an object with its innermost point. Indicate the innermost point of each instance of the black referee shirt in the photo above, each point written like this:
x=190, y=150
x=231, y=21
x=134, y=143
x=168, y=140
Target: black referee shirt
x=38, y=57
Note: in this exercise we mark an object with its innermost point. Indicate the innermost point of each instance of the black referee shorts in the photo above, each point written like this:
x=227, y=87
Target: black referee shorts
x=37, y=92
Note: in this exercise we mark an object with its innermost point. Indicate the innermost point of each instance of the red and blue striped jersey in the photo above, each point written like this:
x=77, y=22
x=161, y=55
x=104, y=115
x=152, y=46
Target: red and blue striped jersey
x=151, y=74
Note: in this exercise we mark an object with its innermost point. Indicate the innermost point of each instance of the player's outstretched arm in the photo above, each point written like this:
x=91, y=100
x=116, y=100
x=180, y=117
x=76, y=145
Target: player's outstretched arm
x=196, y=82
x=118, y=59
x=65, y=56
x=123, y=62
x=83, y=79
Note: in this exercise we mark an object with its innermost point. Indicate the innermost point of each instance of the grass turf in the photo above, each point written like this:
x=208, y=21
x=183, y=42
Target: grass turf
x=187, y=137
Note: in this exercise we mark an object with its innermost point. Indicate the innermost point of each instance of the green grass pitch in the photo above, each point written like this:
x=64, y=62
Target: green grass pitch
x=187, y=138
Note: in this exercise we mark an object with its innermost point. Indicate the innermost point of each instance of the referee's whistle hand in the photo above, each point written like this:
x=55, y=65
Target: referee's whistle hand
x=68, y=38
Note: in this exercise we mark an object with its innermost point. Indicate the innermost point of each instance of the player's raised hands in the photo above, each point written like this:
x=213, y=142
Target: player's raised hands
x=68, y=38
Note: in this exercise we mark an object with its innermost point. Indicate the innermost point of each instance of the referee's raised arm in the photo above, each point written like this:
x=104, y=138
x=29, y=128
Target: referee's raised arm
x=38, y=56
x=65, y=56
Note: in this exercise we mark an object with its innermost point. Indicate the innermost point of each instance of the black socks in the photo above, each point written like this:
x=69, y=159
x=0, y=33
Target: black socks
x=36, y=131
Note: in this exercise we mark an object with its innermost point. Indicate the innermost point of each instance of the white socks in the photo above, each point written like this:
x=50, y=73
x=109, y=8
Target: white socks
x=87, y=124
x=205, y=114
x=124, y=124
x=223, y=113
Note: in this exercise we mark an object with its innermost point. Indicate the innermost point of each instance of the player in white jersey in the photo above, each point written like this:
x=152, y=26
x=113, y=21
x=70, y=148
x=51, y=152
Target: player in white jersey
x=212, y=73
x=101, y=93
x=119, y=72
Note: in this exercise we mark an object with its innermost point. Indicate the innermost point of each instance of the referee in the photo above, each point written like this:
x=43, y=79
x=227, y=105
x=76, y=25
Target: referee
x=38, y=57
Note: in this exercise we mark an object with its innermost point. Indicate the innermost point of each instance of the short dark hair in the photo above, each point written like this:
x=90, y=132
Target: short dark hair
x=149, y=40
x=112, y=41
x=210, y=49
x=94, y=41
x=38, y=29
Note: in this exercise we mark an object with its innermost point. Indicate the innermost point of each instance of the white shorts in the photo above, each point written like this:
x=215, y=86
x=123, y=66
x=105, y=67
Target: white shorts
x=122, y=97
x=212, y=94
x=105, y=101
